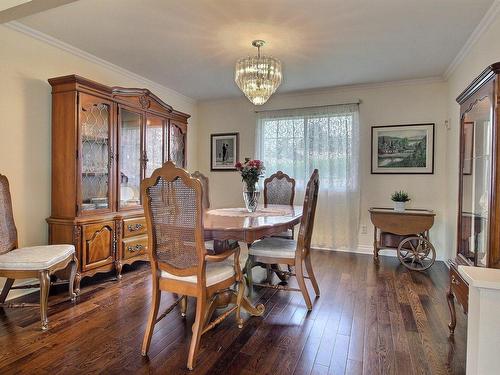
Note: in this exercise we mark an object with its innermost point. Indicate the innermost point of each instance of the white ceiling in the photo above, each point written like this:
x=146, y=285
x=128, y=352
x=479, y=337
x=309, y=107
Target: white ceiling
x=191, y=45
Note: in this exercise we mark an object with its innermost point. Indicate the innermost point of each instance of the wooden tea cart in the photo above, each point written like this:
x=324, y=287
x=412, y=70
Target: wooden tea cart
x=407, y=232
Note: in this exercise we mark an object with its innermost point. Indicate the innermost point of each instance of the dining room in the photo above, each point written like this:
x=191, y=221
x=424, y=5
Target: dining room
x=235, y=187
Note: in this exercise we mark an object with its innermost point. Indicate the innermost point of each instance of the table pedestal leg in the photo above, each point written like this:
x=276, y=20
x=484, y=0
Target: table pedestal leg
x=228, y=297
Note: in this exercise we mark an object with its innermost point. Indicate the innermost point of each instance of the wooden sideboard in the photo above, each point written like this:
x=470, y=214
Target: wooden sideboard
x=105, y=140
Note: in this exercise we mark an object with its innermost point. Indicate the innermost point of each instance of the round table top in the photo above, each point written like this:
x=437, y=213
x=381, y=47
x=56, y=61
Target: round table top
x=237, y=221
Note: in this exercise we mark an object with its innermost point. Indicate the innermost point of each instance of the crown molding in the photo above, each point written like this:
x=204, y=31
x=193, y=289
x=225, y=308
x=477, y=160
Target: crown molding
x=374, y=85
x=482, y=26
x=18, y=26
x=330, y=89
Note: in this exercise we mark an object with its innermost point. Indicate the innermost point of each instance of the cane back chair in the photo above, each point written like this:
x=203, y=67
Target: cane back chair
x=227, y=244
x=279, y=188
x=179, y=260
x=274, y=250
x=39, y=262
x=204, y=183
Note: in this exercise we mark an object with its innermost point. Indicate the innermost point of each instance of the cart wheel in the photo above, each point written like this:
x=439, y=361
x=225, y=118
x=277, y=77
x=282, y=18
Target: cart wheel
x=416, y=253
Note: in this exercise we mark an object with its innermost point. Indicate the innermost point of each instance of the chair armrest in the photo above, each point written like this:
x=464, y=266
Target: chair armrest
x=221, y=256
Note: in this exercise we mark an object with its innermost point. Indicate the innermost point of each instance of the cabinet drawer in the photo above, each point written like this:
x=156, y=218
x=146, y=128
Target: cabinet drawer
x=460, y=288
x=134, y=227
x=134, y=246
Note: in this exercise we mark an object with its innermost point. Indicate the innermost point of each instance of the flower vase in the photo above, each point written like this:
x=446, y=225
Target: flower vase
x=251, y=194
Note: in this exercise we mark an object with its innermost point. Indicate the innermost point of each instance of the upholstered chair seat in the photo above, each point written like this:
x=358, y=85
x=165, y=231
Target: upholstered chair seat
x=35, y=257
x=214, y=273
x=274, y=247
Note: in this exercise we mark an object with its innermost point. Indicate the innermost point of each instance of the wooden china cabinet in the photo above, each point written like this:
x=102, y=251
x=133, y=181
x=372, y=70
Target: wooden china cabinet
x=105, y=140
x=478, y=240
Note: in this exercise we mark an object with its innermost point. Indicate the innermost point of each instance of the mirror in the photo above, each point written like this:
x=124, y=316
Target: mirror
x=476, y=179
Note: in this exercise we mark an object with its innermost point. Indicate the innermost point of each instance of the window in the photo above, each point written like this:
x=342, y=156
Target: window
x=300, y=140
x=297, y=141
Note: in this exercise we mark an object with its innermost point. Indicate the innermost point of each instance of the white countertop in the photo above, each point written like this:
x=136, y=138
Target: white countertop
x=481, y=277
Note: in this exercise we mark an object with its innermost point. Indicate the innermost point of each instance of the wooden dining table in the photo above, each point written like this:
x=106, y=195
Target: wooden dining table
x=237, y=224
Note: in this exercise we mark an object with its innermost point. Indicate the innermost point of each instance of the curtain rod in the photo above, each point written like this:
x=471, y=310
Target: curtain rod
x=314, y=106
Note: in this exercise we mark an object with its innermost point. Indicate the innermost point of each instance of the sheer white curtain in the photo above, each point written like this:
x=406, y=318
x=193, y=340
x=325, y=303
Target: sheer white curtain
x=299, y=140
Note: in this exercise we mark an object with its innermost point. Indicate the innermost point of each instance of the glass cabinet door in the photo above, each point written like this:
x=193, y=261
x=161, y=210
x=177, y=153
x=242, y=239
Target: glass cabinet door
x=96, y=153
x=177, y=145
x=154, y=143
x=129, y=162
x=476, y=167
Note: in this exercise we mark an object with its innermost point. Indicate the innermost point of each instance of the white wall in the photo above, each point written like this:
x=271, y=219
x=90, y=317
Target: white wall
x=485, y=51
x=384, y=104
x=25, y=129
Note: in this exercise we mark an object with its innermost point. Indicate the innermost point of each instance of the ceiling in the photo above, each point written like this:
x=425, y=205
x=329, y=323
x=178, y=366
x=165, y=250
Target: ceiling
x=191, y=45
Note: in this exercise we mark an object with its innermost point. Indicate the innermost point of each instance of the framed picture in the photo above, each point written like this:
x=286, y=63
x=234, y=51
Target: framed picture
x=403, y=149
x=468, y=147
x=224, y=151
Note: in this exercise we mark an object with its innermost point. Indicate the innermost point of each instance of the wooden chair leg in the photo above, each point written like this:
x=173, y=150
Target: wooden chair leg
x=72, y=275
x=184, y=306
x=153, y=313
x=6, y=289
x=239, y=298
x=299, y=274
x=44, y=298
x=310, y=273
x=248, y=272
x=201, y=304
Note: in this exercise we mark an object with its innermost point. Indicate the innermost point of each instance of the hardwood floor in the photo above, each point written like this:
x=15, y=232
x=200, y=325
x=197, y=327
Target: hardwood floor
x=369, y=320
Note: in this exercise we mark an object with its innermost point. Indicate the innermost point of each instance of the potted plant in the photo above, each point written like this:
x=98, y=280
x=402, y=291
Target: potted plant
x=251, y=171
x=400, y=198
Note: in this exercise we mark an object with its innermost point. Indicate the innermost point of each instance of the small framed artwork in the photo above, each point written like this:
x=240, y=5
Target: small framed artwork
x=403, y=149
x=468, y=147
x=224, y=151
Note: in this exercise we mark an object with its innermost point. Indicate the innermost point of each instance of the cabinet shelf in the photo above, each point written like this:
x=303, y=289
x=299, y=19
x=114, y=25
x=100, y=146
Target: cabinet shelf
x=95, y=139
x=94, y=173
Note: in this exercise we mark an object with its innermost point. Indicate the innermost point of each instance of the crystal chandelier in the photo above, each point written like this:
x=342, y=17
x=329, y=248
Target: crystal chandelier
x=258, y=76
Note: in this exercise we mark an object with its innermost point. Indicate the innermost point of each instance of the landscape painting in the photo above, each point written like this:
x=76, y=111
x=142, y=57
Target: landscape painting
x=403, y=149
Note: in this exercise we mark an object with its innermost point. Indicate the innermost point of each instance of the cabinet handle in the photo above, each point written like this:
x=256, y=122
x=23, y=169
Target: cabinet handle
x=135, y=248
x=454, y=280
x=134, y=228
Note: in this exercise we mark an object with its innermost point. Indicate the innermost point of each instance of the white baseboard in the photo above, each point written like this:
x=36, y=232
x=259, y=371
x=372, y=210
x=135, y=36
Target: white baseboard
x=361, y=249
x=365, y=249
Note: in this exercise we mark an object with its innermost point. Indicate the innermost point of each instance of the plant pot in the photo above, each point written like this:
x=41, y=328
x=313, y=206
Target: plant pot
x=251, y=194
x=399, y=206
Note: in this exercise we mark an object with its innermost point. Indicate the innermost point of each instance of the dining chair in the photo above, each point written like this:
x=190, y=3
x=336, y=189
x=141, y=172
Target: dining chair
x=204, y=183
x=209, y=244
x=179, y=260
x=279, y=188
x=39, y=262
x=275, y=250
